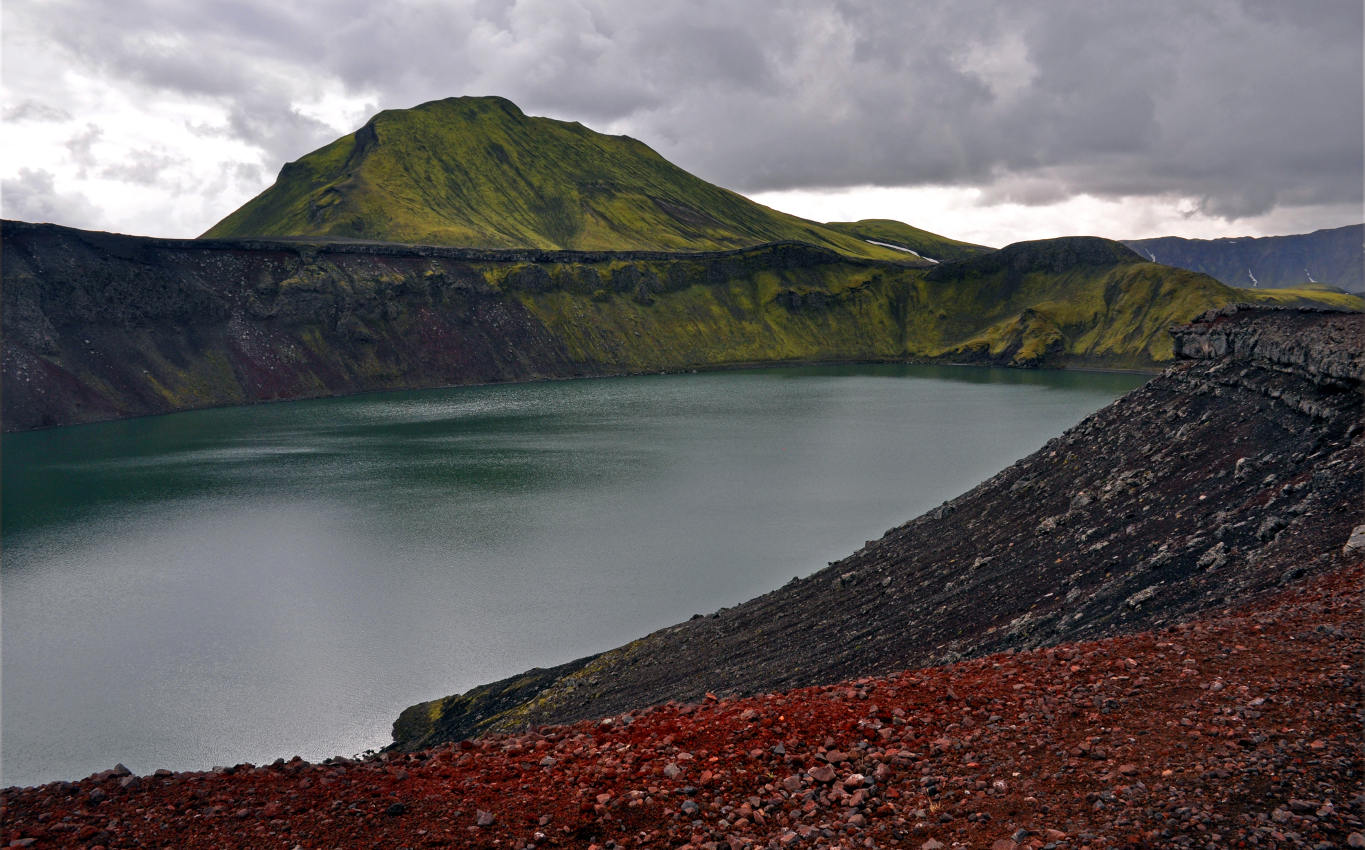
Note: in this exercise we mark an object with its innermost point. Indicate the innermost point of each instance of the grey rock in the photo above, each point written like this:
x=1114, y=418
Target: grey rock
x=1270, y=526
x=1356, y=542
x=1137, y=599
x=1214, y=558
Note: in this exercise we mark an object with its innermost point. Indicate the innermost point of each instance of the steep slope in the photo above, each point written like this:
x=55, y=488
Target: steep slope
x=1077, y=298
x=1333, y=257
x=97, y=326
x=1033, y=301
x=477, y=172
x=931, y=246
x=1239, y=729
x=1222, y=478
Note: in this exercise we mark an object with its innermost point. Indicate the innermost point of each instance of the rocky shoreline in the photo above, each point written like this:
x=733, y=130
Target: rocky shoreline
x=1223, y=478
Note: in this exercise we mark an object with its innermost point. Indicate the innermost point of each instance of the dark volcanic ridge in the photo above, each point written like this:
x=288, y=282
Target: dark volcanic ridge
x=98, y=326
x=1235, y=472
x=1040, y=255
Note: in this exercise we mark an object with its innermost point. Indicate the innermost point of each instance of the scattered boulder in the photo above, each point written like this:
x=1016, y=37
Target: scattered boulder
x=1356, y=542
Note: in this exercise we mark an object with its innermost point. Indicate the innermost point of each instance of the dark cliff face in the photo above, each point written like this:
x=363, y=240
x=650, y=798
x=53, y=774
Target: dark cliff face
x=101, y=327
x=98, y=326
x=1235, y=471
x=1326, y=349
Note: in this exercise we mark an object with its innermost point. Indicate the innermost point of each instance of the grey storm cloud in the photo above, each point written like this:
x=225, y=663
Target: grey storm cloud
x=82, y=147
x=32, y=196
x=1241, y=104
x=143, y=167
x=32, y=110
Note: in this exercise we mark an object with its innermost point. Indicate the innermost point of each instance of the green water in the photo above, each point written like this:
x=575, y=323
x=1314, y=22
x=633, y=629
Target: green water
x=247, y=583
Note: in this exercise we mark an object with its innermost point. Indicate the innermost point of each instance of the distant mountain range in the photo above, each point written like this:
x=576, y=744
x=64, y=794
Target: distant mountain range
x=1331, y=258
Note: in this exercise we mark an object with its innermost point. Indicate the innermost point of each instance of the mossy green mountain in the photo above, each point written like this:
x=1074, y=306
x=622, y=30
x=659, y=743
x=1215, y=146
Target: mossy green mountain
x=478, y=172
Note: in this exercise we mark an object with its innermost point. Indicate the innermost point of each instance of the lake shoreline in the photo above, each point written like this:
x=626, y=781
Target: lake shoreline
x=1217, y=481
x=685, y=370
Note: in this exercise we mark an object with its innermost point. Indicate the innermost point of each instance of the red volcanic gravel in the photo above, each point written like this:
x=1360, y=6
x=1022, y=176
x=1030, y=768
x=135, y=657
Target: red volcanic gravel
x=1239, y=730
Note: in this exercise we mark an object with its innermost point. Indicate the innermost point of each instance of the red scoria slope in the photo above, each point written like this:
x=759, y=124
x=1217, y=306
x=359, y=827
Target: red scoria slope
x=1241, y=729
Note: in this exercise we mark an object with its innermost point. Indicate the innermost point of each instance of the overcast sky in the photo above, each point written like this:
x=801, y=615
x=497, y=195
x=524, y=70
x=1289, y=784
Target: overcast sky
x=985, y=121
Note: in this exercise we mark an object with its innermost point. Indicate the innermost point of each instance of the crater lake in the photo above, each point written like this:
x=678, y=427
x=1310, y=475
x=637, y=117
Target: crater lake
x=241, y=584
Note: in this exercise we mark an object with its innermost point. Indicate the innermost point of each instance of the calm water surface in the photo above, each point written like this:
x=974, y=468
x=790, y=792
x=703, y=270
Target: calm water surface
x=247, y=583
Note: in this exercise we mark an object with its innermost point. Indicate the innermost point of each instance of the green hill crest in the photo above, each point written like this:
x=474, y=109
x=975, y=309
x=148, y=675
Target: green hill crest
x=478, y=172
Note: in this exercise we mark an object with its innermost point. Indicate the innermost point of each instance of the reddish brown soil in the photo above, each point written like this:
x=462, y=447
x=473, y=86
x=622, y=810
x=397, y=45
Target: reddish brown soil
x=1241, y=729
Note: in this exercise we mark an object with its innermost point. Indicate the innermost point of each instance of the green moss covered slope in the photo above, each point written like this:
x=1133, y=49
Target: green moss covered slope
x=477, y=172
x=1075, y=301
x=1070, y=301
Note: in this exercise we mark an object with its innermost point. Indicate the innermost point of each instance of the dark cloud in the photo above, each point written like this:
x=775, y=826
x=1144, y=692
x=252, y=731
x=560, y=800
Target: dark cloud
x=283, y=131
x=1244, y=105
x=32, y=196
x=81, y=148
x=142, y=167
x=1101, y=98
x=32, y=110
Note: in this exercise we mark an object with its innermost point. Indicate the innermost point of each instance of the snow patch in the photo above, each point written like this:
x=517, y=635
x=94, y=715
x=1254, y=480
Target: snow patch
x=899, y=248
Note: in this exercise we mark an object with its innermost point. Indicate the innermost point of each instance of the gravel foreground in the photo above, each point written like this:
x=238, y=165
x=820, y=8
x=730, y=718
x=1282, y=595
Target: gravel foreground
x=1239, y=729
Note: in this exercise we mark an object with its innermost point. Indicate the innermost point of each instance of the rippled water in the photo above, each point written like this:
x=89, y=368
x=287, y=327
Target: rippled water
x=246, y=583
